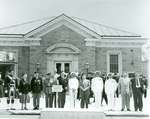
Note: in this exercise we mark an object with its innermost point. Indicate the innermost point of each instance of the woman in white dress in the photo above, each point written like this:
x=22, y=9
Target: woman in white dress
x=73, y=89
x=110, y=89
x=97, y=88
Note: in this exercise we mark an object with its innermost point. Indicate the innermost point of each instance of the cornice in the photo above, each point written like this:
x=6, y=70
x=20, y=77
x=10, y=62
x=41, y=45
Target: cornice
x=19, y=41
x=122, y=43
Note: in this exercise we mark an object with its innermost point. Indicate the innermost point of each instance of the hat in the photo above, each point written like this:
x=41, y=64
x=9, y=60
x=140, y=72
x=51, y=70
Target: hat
x=109, y=74
x=97, y=73
x=48, y=74
x=73, y=74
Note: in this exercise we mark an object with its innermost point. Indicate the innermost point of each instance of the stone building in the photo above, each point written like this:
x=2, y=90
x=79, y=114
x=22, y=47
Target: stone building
x=65, y=43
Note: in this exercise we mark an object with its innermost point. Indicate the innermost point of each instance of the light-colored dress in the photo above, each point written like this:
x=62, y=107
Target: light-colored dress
x=73, y=88
x=97, y=88
x=110, y=89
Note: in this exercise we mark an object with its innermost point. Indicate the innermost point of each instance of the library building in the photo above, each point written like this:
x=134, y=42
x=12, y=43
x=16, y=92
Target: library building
x=69, y=44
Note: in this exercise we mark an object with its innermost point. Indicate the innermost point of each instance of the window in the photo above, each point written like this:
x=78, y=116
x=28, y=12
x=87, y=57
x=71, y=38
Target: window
x=114, y=64
x=114, y=61
x=8, y=61
x=6, y=56
x=63, y=66
x=58, y=67
x=67, y=67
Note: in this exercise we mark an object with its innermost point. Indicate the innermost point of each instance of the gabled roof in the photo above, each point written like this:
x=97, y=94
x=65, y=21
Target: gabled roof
x=99, y=29
x=24, y=28
x=105, y=30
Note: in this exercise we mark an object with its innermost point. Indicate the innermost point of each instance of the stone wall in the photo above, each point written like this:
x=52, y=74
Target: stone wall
x=23, y=58
x=61, y=35
x=96, y=57
x=127, y=57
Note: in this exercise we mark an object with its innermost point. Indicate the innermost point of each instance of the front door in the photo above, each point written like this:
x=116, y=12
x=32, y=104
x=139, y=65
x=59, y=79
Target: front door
x=63, y=66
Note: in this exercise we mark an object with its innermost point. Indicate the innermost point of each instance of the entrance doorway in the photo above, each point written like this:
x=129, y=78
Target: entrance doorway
x=4, y=68
x=63, y=66
x=62, y=57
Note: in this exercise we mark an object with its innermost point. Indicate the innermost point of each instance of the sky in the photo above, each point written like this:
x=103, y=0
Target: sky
x=129, y=15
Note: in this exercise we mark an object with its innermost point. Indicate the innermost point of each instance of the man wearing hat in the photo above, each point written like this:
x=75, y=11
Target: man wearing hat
x=73, y=89
x=97, y=88
x=110, y=89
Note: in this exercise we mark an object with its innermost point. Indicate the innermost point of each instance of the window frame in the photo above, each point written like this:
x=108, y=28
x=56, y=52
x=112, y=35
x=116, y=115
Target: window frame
x=16, y=51
x=115, y=52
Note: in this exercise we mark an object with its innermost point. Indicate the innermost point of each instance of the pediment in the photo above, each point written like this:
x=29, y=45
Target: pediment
x=62, y=20
x=60, y=48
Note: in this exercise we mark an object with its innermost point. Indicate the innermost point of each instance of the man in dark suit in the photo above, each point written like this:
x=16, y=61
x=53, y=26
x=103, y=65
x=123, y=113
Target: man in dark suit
x=49, y=95
x=137, y=88
x=104, y=96
x=145, y=85
x=24, y=89
x=36, y=88
x=62, y=80
x=116, y=77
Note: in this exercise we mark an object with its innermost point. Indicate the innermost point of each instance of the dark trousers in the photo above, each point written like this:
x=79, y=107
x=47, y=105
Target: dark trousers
x=23, y=100
x=84, y=100
x=145, y=93
x=61, y=99
x=117, y=93
x=104, y=96
x=50, y=98
x=138, y=102
x=78, y=93
x=36, y=100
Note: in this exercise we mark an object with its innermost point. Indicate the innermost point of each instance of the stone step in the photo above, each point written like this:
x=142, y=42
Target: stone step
x=19, y=117
x=126, y=114
x=71, y=114
x=25, y=112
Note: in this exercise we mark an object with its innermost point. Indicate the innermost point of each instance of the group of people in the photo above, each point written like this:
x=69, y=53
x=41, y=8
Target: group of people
x=77, y=86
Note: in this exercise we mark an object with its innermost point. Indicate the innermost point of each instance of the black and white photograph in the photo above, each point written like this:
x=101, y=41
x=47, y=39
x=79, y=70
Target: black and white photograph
x=74, y=59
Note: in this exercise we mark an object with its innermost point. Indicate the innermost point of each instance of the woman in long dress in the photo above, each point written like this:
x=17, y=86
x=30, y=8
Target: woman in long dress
x=73, y=89
x=97, y=88
x=110, y=89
